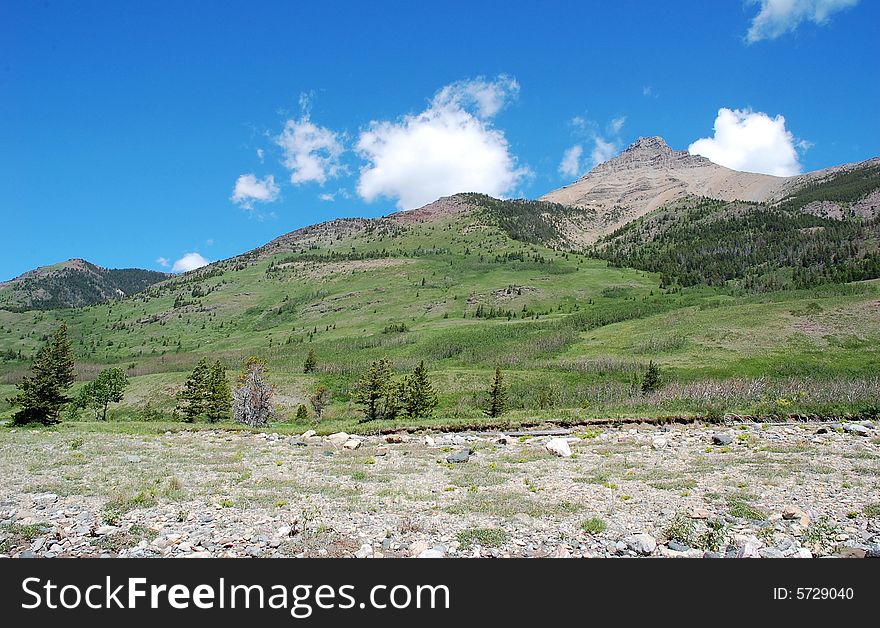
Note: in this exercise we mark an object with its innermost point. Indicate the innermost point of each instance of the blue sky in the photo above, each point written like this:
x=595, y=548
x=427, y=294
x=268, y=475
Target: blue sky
x=132, y=132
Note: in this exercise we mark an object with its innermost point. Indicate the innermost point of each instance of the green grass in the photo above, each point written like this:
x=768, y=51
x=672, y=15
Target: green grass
x=578, y=332
x=595, y=525
x=484, y=537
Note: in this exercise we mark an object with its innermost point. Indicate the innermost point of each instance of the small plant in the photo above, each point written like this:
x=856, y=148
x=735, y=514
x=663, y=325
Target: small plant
x=714, y=413
x=739, y=507
x=182, y=515
x=681, y=529
x=485, y=537
x=226, y=503
x=872, y=510
x=76, y=443
x=821, y=536
x=594, y=525
x=713, y=538
x=589, y=434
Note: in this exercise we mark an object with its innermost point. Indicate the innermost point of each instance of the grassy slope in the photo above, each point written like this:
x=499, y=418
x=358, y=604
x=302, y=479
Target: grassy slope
x=561, y=364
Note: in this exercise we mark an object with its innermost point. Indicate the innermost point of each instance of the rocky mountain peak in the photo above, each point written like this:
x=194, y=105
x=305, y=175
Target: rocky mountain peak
x=650, y=152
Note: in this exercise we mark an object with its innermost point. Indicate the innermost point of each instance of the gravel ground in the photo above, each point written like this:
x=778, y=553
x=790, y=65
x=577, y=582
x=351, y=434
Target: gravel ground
x=677, y=491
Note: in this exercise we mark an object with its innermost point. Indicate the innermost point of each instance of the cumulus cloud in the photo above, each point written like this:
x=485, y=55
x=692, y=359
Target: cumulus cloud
x=778, y=17
x=189, y=261
x=311, y=152
x=603, y=150
x=570, y=166
x=450, y=147
x=249, y=190
x=163, y=262
x=751, y=141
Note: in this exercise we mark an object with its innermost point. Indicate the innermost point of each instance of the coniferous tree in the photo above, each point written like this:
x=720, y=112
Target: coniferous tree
x=417, y=396
x=651, y=381
x=43, y=394
x=218, y=394
x=108, y=387
x=497, y=396
x=302, y=413
x=373, y=389
x=311, y=362
x=191, y=401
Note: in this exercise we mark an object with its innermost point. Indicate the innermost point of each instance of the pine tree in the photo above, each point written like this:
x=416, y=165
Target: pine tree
x=218, y=394
x=191, y=401
x=373, y=388
x=651, y=381
x=418, y=396
x=43, y=394
x=108, y=387
x=311, y=362
x=497, y=396
x=302, y=413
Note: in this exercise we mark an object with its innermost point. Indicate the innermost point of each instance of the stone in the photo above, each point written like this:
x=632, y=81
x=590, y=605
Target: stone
x=417, y=548
x=722, y=439
x=308, y=434
x=297, y=443
x=429, y=441
x=351, y=444
x=338, y=439
x=855, y=428
x=44, y=499
x=431, y=553
x=104, y=530
x=793, y=513
x=394, y=439
x=559, y=447
x=642, y=543
x=676, y=546
x=381, y=451
x=561, y=552
x=365, y=551
x=849, y=552
x=659, y=443
x=460, y=456
x=699, y=513
x=770, y=552
x=133, y=459
x=803, y=553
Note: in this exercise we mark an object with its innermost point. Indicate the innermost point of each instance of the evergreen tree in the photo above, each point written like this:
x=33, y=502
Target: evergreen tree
x=43, y=394
x=651, y=381
x=373, y=390
x=497, y=396
x=191, y=401
x=302, y=413
x=218, y=394
x=108, y=387
x=418, y=396
x=311, y=362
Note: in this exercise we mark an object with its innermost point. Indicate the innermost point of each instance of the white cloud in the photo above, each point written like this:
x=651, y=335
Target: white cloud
x=778, y=17
x=617, y=124
x=486, y=98
x=261, y=154
x=163, y=262
x=249, y=190
x=570, y=166
x=751, y=141
x=327, y=198
x=311, y=152
x=448, y=148
x=603, y=150
x=189, y=261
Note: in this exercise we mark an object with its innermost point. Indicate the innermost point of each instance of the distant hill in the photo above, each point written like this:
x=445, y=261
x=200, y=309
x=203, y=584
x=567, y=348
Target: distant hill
x=74, y=283
x=649, y=174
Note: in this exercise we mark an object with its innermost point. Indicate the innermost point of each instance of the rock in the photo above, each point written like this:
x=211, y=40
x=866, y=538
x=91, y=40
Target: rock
x=394, y=439
x=722, y=439
x=849, y=552
x=417, y=548
x=351, y=444
x=855, y=428
x=295, y=442
x=699, y=513
x=308, y=434
x=431, y=553
x=561, y=552
x=44, y=499
x=676, y=546
x=713, y=555
x=338, y=439
x=381, y=451
x=642, y=543
x=504, y=439
x=559, y=447
x=803, y=553
x=366, y=551
x=462, y=455
x=659, y=443
x=770, y=552
x=429, y=441
x=27, y=554
x=133, y=459
x=104, y=530
x=793, y=513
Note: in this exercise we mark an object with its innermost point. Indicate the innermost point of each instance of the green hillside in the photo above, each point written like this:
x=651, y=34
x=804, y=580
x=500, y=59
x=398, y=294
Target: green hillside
x=571, y=333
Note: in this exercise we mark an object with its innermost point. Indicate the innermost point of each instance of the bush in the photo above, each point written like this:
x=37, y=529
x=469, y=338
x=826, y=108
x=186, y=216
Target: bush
x=594, y=525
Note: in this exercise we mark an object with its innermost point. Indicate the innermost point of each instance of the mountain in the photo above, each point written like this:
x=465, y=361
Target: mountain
x=649, y=174
x=73, y=283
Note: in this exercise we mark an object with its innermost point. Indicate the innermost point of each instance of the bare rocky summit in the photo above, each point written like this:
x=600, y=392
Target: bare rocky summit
x=650, y=174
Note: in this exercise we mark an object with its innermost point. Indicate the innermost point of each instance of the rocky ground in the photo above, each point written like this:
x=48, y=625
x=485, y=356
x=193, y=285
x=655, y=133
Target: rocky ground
x=678, y=491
